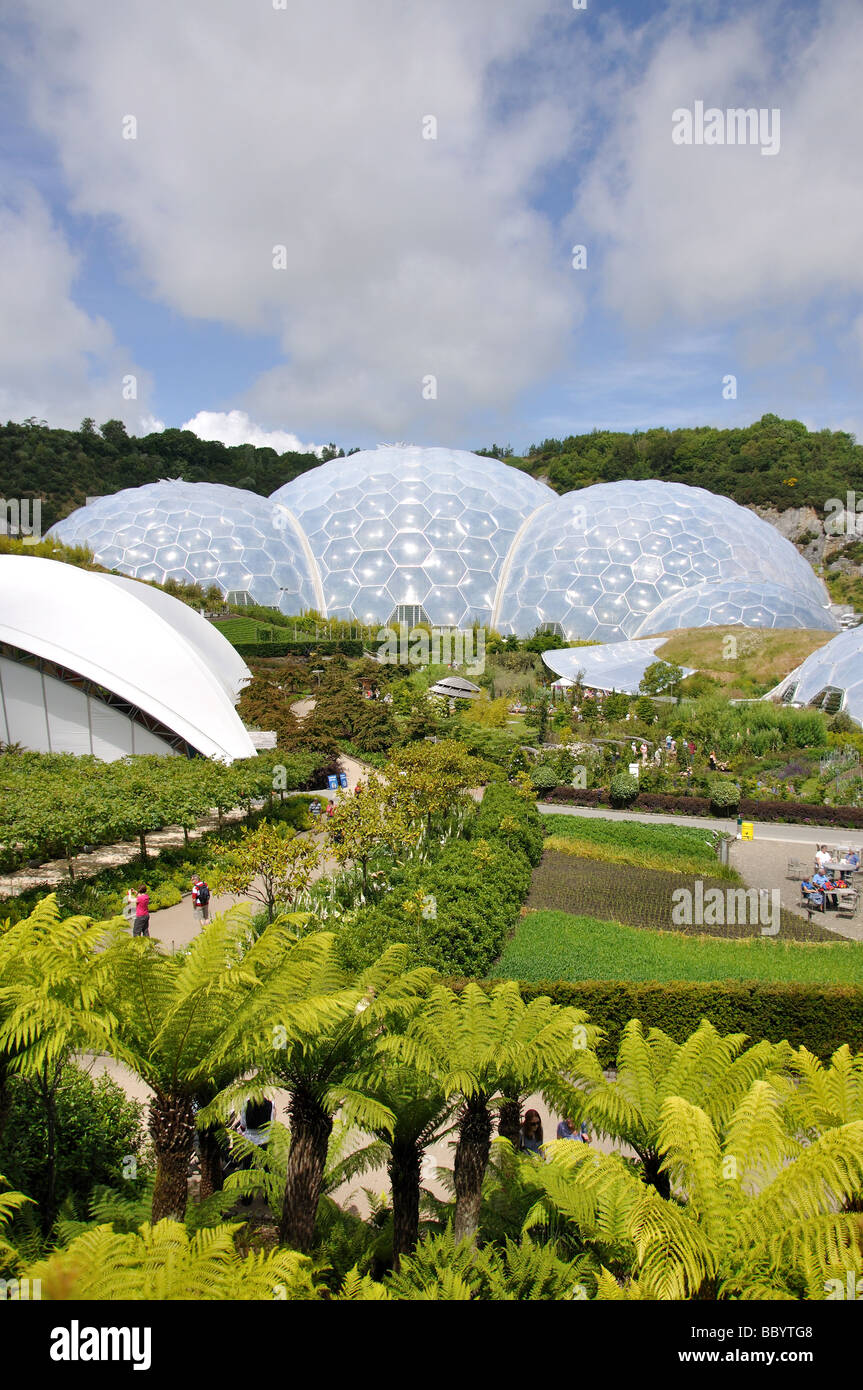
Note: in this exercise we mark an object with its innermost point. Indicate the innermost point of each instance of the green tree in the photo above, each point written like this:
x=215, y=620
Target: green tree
x=271, y=864
x=709, y=1070
x=311, y=1031
x=661, y=678
x=474, y=1044
x=756, y=1215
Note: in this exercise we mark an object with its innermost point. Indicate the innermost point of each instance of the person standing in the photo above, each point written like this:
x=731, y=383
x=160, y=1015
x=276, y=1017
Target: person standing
x=200, y=899
x=530, y=1134
x=142, y=912
x=571, y=1129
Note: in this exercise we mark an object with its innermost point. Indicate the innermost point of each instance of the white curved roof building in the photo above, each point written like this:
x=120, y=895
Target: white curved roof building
x=100, y=664
x=612, y=666
x=444, y=536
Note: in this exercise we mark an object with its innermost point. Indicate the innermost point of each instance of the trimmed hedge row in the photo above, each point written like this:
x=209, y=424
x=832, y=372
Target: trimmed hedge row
x=348, y=646
x=798, y=812
x=819, y=1017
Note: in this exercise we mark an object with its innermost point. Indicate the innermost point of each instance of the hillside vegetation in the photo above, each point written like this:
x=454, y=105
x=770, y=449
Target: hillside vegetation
x=773, y=462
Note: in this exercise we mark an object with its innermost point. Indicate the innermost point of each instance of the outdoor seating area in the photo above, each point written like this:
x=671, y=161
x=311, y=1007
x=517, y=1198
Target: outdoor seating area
x=830, y=887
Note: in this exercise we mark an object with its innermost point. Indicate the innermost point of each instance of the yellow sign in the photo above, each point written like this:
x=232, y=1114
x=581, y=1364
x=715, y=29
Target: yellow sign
x=747, y=830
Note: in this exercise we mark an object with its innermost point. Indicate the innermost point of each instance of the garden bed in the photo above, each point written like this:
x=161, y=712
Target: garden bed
x=642, y=897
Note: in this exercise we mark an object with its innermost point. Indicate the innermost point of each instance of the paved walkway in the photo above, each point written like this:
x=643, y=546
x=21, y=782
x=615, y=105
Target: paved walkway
x=764, y=830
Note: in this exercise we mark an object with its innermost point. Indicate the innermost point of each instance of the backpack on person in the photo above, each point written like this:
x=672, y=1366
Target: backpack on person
x=203, y=895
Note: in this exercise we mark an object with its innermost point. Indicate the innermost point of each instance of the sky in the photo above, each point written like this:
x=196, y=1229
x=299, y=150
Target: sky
x=290, y=222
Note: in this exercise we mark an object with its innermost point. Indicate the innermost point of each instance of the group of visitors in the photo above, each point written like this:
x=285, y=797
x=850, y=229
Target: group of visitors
x=821, y=889
x=316, y=809
x=137, y=906
x=530, y=1138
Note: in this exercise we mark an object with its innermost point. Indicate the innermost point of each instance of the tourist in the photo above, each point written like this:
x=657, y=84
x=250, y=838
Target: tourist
x=530, y=1134
x=644, y=752
x=822, y=858
x=673, y=753
x=852, y=859
x=812, y=894
x=668, y=742
x=200, y=899
x=315, y=808
x=657, y=756
x=712, y=761
x=142, y=912
x=571, y=1129
x=331, y=809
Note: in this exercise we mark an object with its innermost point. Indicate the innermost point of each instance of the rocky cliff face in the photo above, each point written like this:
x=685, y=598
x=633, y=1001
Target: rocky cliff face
x=806, y=529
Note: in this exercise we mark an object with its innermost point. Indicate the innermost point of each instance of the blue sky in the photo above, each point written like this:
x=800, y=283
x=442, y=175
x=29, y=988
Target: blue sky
x=151, y=259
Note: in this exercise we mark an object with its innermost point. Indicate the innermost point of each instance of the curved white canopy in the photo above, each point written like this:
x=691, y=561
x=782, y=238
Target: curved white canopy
x=611, y=666
x=156, y=654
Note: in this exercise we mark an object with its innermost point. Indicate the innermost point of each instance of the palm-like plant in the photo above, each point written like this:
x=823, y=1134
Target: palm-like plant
x=821, y=1097
x=711, y=1071
x=172, y=1013
x=757, y=1216
x=420, y=1112
x=55, y=979
x=164, y=1262
x=475, y=1044
x=10, y=1202
x=310, y=1028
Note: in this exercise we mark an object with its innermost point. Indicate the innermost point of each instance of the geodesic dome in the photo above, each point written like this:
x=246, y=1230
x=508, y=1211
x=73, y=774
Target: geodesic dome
x=405, y=534
x=412, y=534
x=754, y=604
x=599, y=561
x=830, y=678
x=204, y=533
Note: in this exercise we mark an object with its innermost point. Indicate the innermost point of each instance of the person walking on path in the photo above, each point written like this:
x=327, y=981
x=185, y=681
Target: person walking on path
x=142, y=913
x=200, y=899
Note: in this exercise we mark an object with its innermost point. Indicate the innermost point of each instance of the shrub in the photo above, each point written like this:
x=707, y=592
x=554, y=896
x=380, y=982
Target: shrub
x=623, y=789
x=724, y=796
x=97, y=1128
x=542, y=776
x=503, y=813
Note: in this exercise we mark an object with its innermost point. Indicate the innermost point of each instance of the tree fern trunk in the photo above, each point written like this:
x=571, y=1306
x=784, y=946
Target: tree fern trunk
x=509, y=1121
x=310, y=1127
x=404, y=1170
x=211, y=1163
x=172, y=1128
x=652, y=1175
x=471, y=1157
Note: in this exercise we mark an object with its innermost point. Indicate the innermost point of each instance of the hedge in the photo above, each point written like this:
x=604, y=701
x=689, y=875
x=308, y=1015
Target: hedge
x=820, y=1017
x=348, y=646
x=795, y=812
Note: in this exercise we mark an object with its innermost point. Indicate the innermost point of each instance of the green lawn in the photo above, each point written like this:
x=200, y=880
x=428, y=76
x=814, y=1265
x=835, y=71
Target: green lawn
x=684, y=847
x=557, y=946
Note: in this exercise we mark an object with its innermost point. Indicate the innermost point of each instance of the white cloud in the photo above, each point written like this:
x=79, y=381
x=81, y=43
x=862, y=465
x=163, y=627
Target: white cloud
x=56, y=361
x=707, y=233
x=302, y=127
x=235, y=427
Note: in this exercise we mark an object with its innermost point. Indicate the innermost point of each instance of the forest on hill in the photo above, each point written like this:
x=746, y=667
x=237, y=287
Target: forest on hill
x=771, y=463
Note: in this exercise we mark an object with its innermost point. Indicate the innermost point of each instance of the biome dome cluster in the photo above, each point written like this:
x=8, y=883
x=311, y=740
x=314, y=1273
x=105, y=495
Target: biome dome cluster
x=448, y=537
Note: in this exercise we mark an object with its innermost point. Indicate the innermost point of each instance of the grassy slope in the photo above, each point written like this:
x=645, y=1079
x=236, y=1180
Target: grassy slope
x=764, y=655
x=557, y=946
